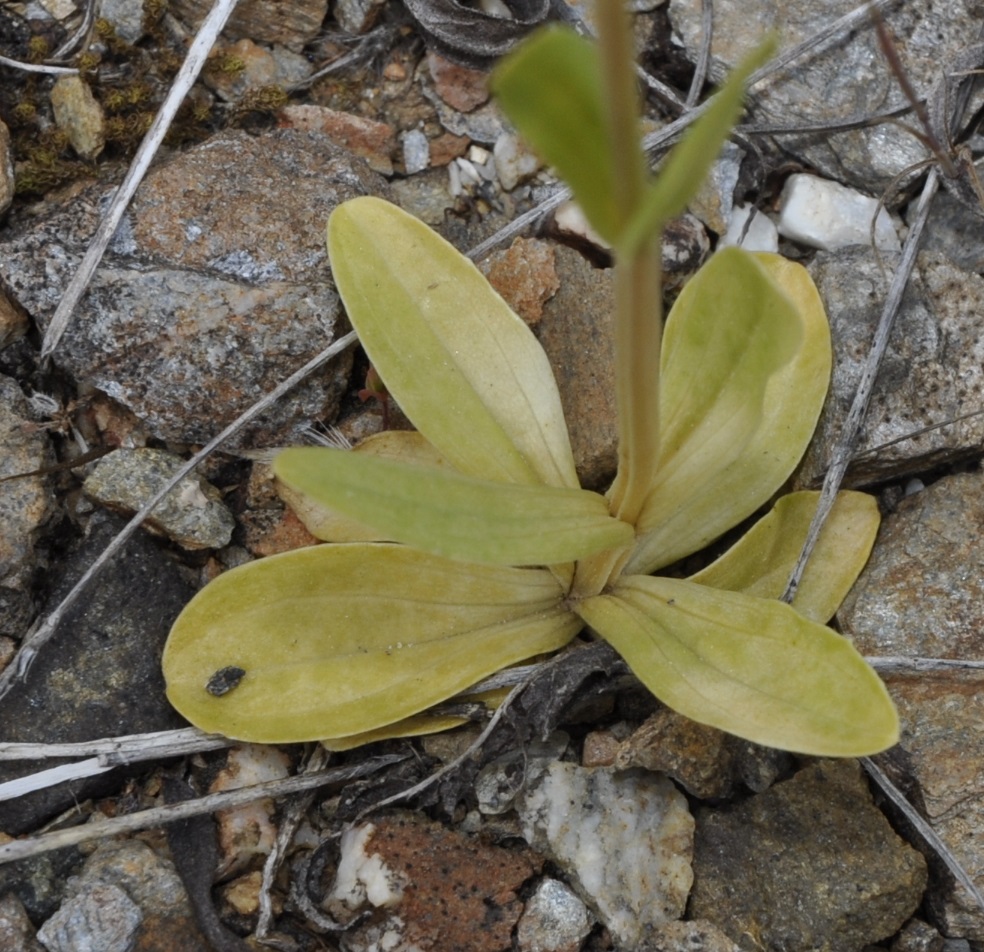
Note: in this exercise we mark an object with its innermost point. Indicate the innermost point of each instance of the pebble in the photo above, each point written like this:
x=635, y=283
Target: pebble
x=220, y=290
x=260, y=67
x=293, y=25
x=416, y=151
x=826, y=215
x=357, y=16
x=761, y=234
x=101, y=917
x=554, y=920
x=810, y=863
x=126, y=16
x=461, y=88
x=25, y=507
x=192, y=514
x=7, y=182
x=78, y=113
x=525, y=275
x=622, y=839
x=431, y=887
x=16, y=929
x=921, y=595
x=918, y=936
x=933, y=371
x=715, y=199
x=515, y=162
x=689, y=936
x=955, y=230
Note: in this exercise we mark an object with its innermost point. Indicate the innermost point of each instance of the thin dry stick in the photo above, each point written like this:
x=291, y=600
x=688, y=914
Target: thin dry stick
x=862, y=397
x=704, y=55
x=898, y=665
x=157, y=816
x=185, y=79
x=128, y=749
x=926, y=831
x=37, y=67
x=41, y=634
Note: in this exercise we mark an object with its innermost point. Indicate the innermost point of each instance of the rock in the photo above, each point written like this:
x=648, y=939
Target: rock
x=126, y=887
x=416, y=152
x=483, y=123
x=715, y=199
x=501, y=780
x=425, y=195
x=932, y=373
x=576, y=332
x=514, y=162
x=216, y=287
x=256, y=67
x=687, y=937
x=525, y=276
x=126, y=16
x=373, y=141
x=809, y=864
x=447, y=147
x=16, y=930
x=192, y=514
x=954, y=230
x=431, y=887
x=829, y=216
x=761, y=235
x=247, y=832
x=554, y=920
x=706, y=762
x=921, y=596
x=78, y=113
x=293, y=25
x=839, y=80
x=100, y=917
x=918, y=936
x=26, y=504
x=7, y=182
x=622, y=839
x=13, y=322
x=461, y=88
x=357, y=16
x=100, y=675
x=685, y=247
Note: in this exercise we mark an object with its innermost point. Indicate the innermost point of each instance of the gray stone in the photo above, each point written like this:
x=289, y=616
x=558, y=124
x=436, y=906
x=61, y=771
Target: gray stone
x=101, y=919
x=217, y=289
x=25, y=506
x=809, y=864
x=416, y=151
x=918, y=936
x=554, y=920
x=933, y=371
x=100, y=676
x=921, y=596
x=192, y=514
x=126, y=16
x=293, y=24
x=687, y=937
x=955, y=230
x=357, y=16
x=715, y=199
x=16, y=930
x=622, y=839
x=843, y=79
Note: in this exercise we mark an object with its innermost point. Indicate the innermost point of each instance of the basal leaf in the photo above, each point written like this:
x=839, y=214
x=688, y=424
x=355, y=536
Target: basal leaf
x=336, y=640
x=454, y=515
x=329, y=524
x=750, y=666
x=760, y=562
x=739, y=397
x=682, y=174
x=551, y=89
x=464, y=368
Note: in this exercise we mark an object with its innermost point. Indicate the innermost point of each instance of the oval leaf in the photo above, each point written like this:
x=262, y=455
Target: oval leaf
x=745, y=369
x=464, y=368
x=453, y=515
x=749, y=666
x=760, y=562
x=336, y=640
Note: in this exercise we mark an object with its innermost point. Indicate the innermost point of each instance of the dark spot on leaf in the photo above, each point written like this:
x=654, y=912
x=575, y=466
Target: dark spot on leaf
x=224, y=680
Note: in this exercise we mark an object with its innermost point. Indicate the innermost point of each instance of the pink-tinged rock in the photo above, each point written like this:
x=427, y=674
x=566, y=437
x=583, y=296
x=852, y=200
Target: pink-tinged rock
x=373, y=141
x=525, y=276
x=461, y=88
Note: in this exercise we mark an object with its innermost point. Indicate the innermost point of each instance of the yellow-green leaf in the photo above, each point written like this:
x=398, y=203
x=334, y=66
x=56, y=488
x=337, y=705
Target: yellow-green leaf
x=464, y=368
x=444, y=512
x=745, y=369
x=328, y=524
x=336, y=640
x=750, y=666
x=760, y=562
x=550, y=87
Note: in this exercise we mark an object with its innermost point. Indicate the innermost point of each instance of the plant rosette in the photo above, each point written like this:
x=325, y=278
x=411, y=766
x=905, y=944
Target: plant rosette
x=468, y=545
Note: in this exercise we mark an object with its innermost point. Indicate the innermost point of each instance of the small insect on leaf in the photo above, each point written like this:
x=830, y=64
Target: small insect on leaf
x=224, y=680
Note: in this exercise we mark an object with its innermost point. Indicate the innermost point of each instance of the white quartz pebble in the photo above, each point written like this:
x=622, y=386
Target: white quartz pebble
x=829, y=216
x=760, y=236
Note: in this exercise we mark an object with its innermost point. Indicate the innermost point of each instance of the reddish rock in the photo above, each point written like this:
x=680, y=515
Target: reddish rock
x=524, y=275
x=461, y=88
x=374, y=141
x=447, y=147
